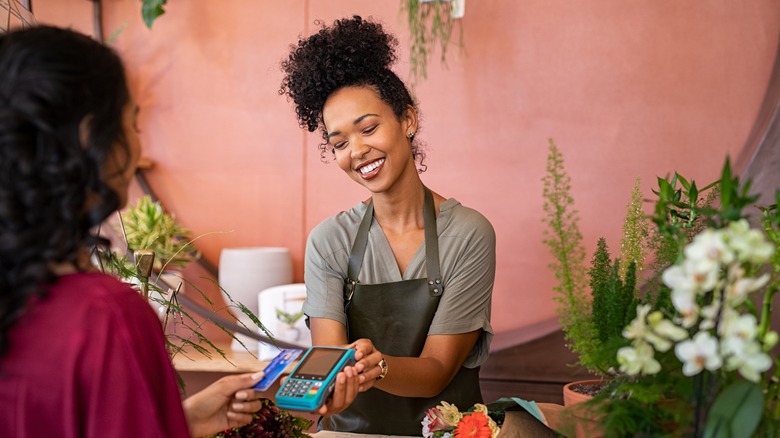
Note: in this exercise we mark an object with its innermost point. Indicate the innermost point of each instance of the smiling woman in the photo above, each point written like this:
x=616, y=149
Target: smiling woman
x=418, y=313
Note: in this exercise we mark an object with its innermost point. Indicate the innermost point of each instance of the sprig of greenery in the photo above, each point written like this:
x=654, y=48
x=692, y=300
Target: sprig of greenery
x=562, y=236
x=633, y=244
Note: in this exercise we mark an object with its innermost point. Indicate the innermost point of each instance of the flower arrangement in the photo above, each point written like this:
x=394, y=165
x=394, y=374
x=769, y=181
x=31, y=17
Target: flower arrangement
x=270, y=422
x=445, y=420
x=697, y=358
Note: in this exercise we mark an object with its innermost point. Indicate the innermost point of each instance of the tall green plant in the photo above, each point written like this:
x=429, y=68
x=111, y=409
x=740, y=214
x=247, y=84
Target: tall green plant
x=593, y=318
x=562, y=236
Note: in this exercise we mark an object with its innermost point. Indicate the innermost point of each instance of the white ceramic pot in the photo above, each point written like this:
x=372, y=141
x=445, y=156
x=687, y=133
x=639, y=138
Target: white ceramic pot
x=288, y=298
x=244, y=272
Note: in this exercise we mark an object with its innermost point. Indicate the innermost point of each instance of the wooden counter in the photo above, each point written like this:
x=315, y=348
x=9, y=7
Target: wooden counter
x=233, y=362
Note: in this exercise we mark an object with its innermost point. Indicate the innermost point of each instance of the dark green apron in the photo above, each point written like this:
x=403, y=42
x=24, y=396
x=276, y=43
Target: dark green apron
x=396, y=317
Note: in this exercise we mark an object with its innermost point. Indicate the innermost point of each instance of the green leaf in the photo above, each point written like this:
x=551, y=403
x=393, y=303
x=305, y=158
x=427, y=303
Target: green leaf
x=736, y=411
x=151, y=10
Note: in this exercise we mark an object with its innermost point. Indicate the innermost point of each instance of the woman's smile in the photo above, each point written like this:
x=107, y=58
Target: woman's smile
x=370, y=170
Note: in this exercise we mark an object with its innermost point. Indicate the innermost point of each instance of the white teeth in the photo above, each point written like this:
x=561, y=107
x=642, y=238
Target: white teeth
x=371, y=167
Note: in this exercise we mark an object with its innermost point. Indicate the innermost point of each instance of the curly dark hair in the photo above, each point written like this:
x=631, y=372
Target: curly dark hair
x=353, y=52
x=52, y=79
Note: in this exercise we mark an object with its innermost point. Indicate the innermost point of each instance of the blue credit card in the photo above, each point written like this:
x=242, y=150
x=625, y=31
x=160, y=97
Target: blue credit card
x=276, y=367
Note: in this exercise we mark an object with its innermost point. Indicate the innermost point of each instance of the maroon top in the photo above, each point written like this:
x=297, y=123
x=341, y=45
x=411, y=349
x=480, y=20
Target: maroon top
x=89, y=360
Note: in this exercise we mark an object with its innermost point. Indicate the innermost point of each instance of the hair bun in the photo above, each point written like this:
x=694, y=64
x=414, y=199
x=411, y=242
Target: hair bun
x=352, y=51
x=359, y=47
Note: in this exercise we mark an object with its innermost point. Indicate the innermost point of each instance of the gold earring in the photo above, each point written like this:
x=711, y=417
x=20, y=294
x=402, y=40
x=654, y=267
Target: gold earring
x=410, y=134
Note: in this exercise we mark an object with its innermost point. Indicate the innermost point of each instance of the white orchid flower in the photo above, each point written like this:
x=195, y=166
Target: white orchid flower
x=746, y=357
x=709, y=314
x=638, y=329
x=662, y=332
x=737, y=292
x=699, y=353
x=739, y=326
x=685, y=304
x=709, y=245
x=638, y=359
x=750, y=245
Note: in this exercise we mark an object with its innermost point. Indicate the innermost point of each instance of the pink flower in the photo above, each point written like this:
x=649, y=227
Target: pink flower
x=433, y=422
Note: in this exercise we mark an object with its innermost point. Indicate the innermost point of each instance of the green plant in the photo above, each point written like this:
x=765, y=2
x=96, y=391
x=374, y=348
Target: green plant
x=147, y=225
x=151, y=10
x=592, y=314
x=562, y=236
x=147, y=228
x=430, y=24
x=288, y=318
x=700, y=364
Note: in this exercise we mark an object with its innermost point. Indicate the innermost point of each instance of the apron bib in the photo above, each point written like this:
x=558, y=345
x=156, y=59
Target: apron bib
x=396, y=317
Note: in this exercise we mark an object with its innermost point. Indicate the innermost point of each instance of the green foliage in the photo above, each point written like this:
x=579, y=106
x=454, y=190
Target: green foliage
x=562, y=237
x=288, y=318
x=151, y=10
x=148, y=226
x=430, y=23
x=736, y=412
x=613, y=307
x=633, y=245
x=602, y=284
x=712, y=403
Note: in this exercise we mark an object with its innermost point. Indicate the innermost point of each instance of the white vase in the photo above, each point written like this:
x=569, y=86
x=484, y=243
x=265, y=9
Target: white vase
x=243, y=273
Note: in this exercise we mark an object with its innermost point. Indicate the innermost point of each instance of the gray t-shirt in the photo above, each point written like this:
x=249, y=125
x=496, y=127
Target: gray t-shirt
x=467, y=253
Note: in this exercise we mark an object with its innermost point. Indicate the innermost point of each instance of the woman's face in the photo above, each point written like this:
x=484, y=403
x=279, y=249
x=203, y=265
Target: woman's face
x=121, y=165
x=370, y=143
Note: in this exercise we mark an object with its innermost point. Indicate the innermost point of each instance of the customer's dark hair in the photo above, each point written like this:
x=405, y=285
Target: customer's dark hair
x=352, y=52
x=51, y=80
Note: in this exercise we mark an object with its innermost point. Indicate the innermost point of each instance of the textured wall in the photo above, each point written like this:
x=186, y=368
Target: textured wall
x=627, y=89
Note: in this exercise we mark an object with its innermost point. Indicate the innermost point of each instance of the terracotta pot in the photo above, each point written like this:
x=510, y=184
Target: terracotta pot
x=580, y=421
x=572, y=397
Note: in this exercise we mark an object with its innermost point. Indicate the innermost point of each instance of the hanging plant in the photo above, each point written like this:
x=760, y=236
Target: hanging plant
x=151, y=10
x=430, y=25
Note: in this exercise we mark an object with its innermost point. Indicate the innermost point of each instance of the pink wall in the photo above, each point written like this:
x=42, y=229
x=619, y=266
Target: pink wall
x=627, y=89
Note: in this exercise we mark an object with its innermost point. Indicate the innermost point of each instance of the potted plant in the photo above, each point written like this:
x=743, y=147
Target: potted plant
x=289, y=331
x=596, y=303
x=147, y=226
x=700, y=355
x=695, y=356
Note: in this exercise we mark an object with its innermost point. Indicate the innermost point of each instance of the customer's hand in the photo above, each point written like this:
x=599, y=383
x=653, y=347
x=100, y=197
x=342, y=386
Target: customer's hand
x=229, y=402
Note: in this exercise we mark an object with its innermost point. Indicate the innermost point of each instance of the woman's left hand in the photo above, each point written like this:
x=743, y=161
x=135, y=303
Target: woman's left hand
x=227, y=403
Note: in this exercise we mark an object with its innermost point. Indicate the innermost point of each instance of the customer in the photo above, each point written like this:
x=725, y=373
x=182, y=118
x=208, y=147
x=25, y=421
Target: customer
x=418, y=311
x=81, y=354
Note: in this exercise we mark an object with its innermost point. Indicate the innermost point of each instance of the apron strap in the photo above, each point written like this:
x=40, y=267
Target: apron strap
x=435, y=284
